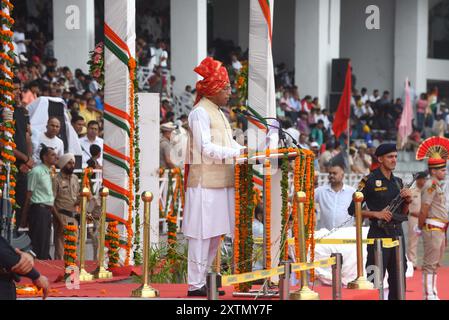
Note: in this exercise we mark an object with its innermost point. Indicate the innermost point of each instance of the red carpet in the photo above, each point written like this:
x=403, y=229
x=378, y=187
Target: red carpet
x=110, y=289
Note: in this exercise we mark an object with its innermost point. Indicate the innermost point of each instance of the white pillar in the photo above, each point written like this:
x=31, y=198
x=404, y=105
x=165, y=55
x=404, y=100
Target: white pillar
x=120, y=17
x=411, y=34
x=74, y=32
x=317, y=42
x=188, y=40
x=149, y=159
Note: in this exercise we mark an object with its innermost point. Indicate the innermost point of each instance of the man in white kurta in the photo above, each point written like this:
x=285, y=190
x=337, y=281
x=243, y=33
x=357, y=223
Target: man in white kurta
x=209, y=207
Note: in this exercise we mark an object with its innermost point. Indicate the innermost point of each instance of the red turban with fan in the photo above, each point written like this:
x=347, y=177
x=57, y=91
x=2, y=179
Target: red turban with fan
x=215, y=78
x=436, y=150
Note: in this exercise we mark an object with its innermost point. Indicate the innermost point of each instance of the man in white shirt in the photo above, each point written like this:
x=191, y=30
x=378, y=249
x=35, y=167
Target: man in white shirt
x=50, y=139
x=334, y=199
x=93, y=128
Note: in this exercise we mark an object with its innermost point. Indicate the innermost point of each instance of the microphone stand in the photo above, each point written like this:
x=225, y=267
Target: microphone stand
x=282, y=133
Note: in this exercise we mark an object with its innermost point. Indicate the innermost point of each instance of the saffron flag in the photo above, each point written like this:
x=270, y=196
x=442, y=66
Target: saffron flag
x=344, y=106
x=405, y=125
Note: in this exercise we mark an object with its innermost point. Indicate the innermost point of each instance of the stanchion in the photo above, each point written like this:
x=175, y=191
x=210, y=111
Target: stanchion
x=305, y=293
x=84, y=275
x=400, y=274
x=101, y=272
x=284, y=282
x=336, y=276
x=378, y=260
x=217, y=260
x=212, y=289
x=145, y=290
x=361, y=282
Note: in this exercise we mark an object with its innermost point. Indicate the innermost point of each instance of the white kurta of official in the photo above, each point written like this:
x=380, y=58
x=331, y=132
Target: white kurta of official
x=209, y=212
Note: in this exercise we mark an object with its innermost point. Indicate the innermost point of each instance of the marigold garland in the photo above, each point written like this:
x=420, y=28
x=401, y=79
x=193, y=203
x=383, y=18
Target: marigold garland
x=237, y=222
x=284, y=214
x=70, y=241
x=267, y=225
x=7, y=127
x=112, y=243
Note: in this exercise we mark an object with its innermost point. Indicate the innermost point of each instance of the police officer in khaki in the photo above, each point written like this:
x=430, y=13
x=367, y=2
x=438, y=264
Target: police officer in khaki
x=433, y=219
x=67, y=189
x=414, y=211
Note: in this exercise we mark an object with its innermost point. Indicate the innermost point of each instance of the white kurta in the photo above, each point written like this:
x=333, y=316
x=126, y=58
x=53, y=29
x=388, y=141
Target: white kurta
x=209, y=212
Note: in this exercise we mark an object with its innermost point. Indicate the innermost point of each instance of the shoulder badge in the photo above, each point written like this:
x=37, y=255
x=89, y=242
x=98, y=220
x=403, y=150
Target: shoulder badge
x=378, y=183
x=362, y=183
x=432, y=187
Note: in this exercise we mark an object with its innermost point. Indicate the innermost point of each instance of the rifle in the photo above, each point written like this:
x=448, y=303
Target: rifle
x=21, y=241
x=397, y=202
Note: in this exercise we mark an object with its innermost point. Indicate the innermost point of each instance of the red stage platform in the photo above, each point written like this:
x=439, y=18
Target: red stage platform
x=115, y=288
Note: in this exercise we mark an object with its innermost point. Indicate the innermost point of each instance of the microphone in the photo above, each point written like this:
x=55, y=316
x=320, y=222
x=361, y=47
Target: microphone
x=282, y=132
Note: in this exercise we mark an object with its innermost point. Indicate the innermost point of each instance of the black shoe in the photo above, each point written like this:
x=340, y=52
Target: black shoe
x=202, y=292
x=198, y=293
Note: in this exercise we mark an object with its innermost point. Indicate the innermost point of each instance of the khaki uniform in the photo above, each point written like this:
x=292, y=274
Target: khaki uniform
x=413, y=237
x=66, y=192
x=433, y=235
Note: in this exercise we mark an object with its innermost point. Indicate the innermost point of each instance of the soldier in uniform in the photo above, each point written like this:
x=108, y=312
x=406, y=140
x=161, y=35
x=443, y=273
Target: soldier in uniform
x=66, y=191
x=415, y=209
x=433, y=219
x=379, y=188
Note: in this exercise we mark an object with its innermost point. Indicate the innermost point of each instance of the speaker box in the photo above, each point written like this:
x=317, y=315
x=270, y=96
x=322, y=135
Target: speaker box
x=334, y=100
x=339, y=68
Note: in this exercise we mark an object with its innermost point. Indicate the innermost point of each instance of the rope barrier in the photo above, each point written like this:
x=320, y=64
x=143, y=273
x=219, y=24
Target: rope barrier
x=261, y=274
x=313, y=265
x=386, y=242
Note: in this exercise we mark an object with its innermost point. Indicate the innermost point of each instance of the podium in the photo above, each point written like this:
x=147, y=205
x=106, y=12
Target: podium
x=275, y=210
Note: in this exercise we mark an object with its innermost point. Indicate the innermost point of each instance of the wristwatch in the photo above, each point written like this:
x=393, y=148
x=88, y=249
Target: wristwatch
x=31, y=252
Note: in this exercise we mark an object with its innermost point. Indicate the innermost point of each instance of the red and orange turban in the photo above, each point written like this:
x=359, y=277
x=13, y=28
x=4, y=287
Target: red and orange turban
x=436, y=150
x=215, y=78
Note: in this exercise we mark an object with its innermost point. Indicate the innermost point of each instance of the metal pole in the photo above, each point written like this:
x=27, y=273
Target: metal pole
x=304, y=293
x=336, y=276
x=400, y=269
x=101, y=272
x=212, y=291
x=284, y=282
x=378, y=260
x=361, y=282
x=84, y=275
x=145, y=290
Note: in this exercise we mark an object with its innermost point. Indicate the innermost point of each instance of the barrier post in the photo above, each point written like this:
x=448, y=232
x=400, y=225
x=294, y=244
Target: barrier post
x=145, y=290
x=101, y=272
x=84, y=275
x=336, y=276
x=284, y=282
x=305, y=293
x=211, y=283
x=361, y=282
x=378, y=260
x=400, y=275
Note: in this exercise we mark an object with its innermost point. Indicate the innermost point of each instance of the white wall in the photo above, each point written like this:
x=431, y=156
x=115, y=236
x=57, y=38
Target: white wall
x=371, y=51
x=411, y=34
x=284, y=33
x=72, y=40
x=316, y=44
x=188, y=40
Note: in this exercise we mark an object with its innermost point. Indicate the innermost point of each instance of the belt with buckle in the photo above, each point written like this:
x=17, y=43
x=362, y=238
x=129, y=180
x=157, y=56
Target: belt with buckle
x=67, y=213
